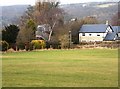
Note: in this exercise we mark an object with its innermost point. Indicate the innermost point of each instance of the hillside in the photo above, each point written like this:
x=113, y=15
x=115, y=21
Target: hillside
x=101, y=10
x=11, y=14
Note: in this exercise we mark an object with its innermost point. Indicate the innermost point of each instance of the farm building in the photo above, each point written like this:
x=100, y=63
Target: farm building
x=98, y=32
x=43, y=31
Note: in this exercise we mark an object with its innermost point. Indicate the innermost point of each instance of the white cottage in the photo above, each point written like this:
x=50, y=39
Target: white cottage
x=43, y=31
x=94, y=32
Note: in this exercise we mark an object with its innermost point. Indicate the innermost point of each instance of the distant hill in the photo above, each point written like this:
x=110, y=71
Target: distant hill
x=11, y=14
x=101, y=10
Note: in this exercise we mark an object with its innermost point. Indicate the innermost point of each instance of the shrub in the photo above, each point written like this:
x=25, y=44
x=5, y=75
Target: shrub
x=21, y=46
x=27, y=46
x=47, y=44
x=64, y=40
x=4, y=46
x=38, y=44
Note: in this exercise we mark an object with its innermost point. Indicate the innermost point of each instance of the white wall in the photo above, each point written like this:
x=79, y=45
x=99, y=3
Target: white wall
x=93, y=37
x=118, y=34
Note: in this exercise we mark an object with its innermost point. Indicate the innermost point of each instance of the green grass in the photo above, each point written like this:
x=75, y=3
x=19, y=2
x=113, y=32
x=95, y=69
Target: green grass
x=61, y=68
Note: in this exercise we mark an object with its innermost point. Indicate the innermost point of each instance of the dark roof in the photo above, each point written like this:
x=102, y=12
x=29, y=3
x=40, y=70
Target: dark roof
x=111, y=36
x=118, y=31
x=94, y=28
x=117, y=28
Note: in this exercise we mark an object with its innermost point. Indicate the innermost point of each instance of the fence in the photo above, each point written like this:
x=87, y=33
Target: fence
x=105, y=44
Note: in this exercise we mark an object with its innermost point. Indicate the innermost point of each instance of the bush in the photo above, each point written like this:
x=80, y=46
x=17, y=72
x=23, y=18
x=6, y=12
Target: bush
x=64, y=40
x=21, y=46
x=54, y=44
x=38, y=44
x=47, y=44
x=4, y=46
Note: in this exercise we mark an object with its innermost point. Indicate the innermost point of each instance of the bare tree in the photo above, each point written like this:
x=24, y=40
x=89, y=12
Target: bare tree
x=48, y=12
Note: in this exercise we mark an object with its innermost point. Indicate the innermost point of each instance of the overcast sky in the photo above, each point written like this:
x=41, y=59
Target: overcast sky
x=32, y=2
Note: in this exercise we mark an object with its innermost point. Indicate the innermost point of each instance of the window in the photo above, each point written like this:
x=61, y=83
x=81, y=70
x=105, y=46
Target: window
x=98, y=34
x=90, y=34
x=83, y=34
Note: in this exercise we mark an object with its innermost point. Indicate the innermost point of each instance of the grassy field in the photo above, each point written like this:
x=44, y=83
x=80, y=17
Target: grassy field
x=61, y=68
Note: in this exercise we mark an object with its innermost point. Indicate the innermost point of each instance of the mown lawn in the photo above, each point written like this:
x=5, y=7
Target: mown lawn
x=61, y=68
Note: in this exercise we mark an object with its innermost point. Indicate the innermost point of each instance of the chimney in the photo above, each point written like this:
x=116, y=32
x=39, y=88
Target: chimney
x=107, y=22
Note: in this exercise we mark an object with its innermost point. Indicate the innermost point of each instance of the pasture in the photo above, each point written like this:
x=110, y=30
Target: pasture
x=61, y=68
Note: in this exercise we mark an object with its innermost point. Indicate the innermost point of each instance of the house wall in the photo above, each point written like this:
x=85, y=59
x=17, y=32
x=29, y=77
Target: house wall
x=91, y=37
x=118, y=34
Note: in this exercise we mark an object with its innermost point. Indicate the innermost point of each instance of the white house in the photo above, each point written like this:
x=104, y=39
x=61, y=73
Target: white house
x=96, y=32
x=43, y=31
